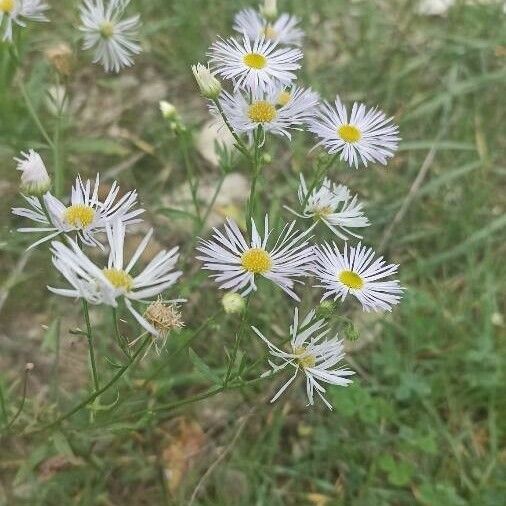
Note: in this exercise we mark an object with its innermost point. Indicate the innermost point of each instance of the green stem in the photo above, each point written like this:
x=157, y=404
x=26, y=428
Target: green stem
x=317, y=179
x=2, y=404
x=255, y=169
x=241, y=146
x=238, y=338
x=89, y=335
x=190, y=172
x=58, y=167
x=117, y=333
x=99, y=392
x=33, y=114
x=22, y=405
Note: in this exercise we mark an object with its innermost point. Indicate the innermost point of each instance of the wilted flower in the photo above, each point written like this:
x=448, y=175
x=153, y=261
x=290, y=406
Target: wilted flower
x=34, y=177
x=209, y=86
x=62, y=58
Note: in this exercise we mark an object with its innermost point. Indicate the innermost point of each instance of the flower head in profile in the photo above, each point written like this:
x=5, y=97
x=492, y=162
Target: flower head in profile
x=363, y=136
x=238, y=262
x=17, y=11
x=312, y=353
x=34, y=177
x=284, y=29
x=333, y=205
x=209, y=86
x=114, y=39
x=357, y=272
x=85, y=215
x=254, y=64
x=116, y=280
x=275, y=109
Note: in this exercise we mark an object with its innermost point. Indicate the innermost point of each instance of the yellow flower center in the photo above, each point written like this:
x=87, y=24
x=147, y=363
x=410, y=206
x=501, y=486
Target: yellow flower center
x=107, y=29
x=262, y=112
x=6, y=5
x=269, y=32
x=284, y=97
x=304, y=358
x=255, y=61
x=79, y=215
x=322, y=212
x=349, y=133
x=119, y=278
x=256, y=260
x=351, y=280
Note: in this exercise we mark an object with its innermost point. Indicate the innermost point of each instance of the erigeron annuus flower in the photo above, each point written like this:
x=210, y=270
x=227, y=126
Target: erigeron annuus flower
x=116, y=280
x=209, y=86
x=254, y=64
x=333, y=205
x=115, y=39
x=17, y=11
x=284, y=30
x=356, y=271
x=239, y=262
x=86, y=215
x=34, y=177
x=312, y=353
x=363, y=136
x=275, y=109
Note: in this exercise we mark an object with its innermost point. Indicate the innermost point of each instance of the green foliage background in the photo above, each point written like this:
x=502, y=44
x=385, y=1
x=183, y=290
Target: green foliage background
x=424, y=421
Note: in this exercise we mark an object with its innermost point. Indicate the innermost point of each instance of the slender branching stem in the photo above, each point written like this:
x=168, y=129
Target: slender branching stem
x=91, y=346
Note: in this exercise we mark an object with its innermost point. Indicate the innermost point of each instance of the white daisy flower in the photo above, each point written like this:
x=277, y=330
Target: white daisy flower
x=311, y=352
x=284, y=30
x=115, y=281
x=356, y=272
x=333, y=205
x=115, y=39
x=256, y=64
x=365, y=136
x=86, y=215
x=276, y=109
x=238, y=263
x=13, y=11
x=34, y=177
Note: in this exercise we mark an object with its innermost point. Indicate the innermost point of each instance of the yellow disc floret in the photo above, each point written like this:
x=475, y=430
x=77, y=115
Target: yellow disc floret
x=304, y=358
x=284, y=98
x=255, y=61
x=119, y=279
x=79, y=215
x=262, y=111
x=6, y=6
x=107, y=29
x=256, y=260
x=269, y=32
x=349, y=133
x=351, y=280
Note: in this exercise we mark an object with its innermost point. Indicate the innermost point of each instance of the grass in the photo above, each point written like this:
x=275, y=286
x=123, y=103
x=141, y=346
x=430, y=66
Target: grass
x=423, y=422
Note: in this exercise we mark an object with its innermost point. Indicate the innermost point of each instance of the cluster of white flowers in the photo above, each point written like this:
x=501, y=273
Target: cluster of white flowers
x=260, y=68
x=83, y=220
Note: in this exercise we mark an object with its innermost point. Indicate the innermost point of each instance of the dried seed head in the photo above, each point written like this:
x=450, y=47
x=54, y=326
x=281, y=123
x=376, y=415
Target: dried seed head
x=62, y=58
x=29, y=367
x=165, y=317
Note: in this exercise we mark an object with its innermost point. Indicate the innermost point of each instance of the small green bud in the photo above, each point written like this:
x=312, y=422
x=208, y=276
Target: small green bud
x=233, y=303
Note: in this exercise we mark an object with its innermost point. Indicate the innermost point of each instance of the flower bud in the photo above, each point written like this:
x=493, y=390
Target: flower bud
x=269, y=10
x=233, y=303
x=209, y=86
x=326, y=309
x=34, y=177
x=168, y=110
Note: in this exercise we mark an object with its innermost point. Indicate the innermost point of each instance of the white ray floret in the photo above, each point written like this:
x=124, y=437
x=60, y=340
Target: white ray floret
x=86, y=215
x=333, y=205
x=356, y=271
x=276, y=110
x=254, y=64
x=238, y=262
x=16, y=12
x=113, y=37
x=284, y=29
x=361, y=137
x=312, y=353
x=115, y=281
